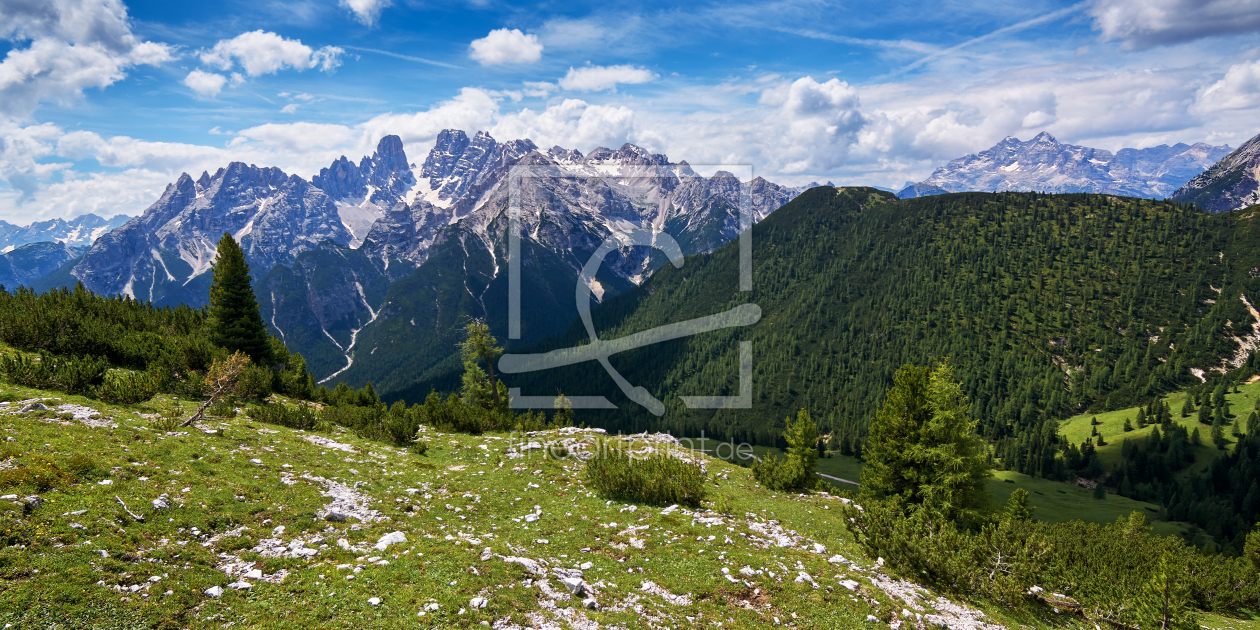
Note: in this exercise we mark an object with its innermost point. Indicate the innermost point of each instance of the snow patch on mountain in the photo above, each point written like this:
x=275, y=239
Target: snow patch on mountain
x=1045, y=164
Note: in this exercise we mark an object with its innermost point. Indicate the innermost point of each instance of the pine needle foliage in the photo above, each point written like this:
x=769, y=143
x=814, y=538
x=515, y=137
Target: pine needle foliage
x=923, y=448
x=235, y=323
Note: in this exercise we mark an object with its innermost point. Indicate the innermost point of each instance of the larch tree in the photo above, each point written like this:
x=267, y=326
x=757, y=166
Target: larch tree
x=923, y=448
x=235, y=322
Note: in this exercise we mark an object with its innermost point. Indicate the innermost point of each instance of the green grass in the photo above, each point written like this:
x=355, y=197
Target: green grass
x=472, y=494
x=1055, y=502
x=1076, y=430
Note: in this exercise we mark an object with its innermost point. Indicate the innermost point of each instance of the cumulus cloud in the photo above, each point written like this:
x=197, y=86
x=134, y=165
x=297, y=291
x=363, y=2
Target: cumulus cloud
x=205, y=84
x=595, y=78
x=822, y=119
x=261, y=52
x=366, y=11
x=572, y=123
x=73, y=45
x=472, y=109
x=503, y=46
x=1238, y=89
x=1142, y=24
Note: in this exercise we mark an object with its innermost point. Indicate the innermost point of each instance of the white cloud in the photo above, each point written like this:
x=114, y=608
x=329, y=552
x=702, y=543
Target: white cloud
x=291, y=108
x=1142, y=24
x=366, y=11
x=1238, y=89
x=573, y=124
x=821, y=119
x=205, y=84
x=471, y=110
x=503, y=46
x=261, y=52
x=42, y=187
x=595, y=78
x=74, y=45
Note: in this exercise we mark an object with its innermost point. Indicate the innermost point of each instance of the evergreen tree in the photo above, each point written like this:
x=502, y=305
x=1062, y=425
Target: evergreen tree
x=564, y=411
x=1017, y=508
x=235, y=322
x=1195, y=439
x=1141, y=419
x=1128, y=426
x=1218, y=434
x=479, y=345
x=1100, y=492
x=796, y=472
x=923, y=448
x=1205, y=413
x=1188, y=407
x=1251, y=550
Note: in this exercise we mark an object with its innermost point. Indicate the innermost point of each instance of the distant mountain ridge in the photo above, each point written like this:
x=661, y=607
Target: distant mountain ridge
x=1046, y=165
x=1230, y=184
x=80, y=231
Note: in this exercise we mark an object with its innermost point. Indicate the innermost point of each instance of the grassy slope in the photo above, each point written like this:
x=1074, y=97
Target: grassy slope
x=1077, y=429
x=1055, y=502
x=55, y=576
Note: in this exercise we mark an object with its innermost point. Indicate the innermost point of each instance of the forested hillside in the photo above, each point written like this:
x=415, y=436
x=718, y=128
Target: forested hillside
x=1046, y=305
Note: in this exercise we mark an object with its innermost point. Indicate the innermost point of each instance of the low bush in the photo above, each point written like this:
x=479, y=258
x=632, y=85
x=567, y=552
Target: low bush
x=657, y=478
x=127, y=388
x=254, y=383
x=222, y=409
x=72, y=375
x=301, y=417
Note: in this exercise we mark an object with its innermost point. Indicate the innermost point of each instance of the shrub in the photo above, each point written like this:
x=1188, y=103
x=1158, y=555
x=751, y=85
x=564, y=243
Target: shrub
x=781, y=474
x=73, y=375
x=301, y=417
x=222, y=409
x=658, y=478
x=128, y=388
x=254, y=383
x=419, y=447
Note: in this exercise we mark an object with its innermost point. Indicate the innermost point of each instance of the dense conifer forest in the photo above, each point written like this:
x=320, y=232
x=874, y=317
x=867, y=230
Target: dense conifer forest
x=1046, y=305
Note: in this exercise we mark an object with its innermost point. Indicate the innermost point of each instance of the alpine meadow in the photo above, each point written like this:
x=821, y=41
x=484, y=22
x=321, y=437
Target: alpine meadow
x=592, y=316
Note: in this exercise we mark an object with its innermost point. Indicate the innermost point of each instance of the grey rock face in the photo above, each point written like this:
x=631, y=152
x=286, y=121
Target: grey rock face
x=158, y=255
x=1230, y=184
x=1044, y=164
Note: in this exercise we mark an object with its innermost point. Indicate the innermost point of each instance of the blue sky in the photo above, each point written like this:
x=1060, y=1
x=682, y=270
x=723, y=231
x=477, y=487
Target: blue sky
x=102, y=103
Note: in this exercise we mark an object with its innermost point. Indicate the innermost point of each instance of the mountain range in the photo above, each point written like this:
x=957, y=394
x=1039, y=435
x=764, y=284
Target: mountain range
x=386, y=258
x=1044, y=164
x=80, y=231
x=415, y=250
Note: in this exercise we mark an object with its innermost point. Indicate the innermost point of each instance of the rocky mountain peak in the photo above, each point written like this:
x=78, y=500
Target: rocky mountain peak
x=1045, y=164
x=1230, y=184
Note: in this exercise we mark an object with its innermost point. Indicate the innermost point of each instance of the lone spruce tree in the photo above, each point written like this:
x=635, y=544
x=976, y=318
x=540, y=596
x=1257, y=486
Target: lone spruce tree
x=923, y=449
x=235, y=323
